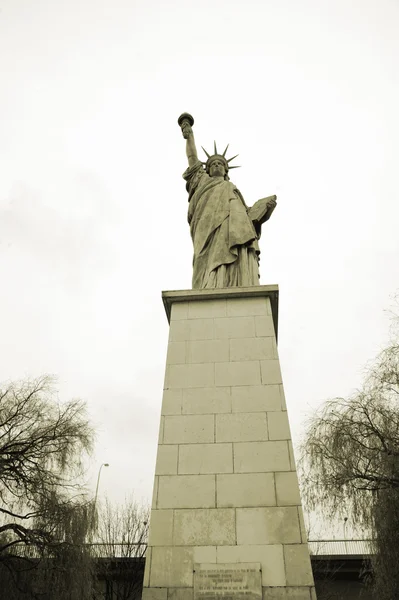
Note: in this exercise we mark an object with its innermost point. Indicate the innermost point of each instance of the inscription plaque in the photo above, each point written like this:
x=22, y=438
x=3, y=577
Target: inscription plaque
x=227, y=581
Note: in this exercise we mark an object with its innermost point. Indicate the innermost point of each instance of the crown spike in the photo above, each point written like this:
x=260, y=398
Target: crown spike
x=232, y=158
x=214, y=145
x=236, y=167
x=224, y=153
x=208, y=155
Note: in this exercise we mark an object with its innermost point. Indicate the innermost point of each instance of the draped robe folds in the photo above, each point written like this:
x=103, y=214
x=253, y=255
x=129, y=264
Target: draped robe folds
x=225, y=242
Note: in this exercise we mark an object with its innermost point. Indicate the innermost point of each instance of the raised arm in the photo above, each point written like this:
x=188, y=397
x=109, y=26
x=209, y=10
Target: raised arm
x=186, y=121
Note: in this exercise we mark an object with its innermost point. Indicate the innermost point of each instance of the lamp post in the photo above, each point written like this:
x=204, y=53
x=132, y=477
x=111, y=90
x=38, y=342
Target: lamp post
x=98, y=482
x=96, y=494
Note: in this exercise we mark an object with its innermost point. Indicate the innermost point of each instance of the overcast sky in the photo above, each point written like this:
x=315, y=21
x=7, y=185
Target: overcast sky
x=93, y=207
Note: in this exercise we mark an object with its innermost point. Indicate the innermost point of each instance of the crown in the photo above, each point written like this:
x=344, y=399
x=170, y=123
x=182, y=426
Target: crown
x=219, y=156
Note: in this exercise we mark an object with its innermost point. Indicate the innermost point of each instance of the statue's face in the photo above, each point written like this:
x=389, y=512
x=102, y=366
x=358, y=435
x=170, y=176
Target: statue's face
x=217, y=168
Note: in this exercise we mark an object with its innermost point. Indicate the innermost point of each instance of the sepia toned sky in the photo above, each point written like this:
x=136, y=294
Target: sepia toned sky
x=93, y=209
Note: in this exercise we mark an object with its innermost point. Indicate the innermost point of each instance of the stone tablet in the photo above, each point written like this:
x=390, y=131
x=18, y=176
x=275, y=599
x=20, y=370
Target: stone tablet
x=227, y=581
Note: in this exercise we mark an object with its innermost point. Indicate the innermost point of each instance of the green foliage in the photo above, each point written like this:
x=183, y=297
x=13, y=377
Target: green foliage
x=386, y=530
x=44, y=513
x=350, y=464
x=351, y=447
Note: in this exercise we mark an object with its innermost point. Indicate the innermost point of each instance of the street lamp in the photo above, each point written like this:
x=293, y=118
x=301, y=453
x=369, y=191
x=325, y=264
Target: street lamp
x=98, y=483
x=96, y=494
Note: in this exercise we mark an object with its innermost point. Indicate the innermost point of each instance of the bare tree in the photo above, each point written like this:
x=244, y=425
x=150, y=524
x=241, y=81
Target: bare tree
x=122, y=533
x=350, y=463
x=44, y=515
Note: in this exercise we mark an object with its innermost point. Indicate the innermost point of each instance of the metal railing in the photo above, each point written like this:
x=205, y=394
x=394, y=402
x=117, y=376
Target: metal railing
x=126, y=550
x=97, y=550
x=341, y=547
x=121, y=550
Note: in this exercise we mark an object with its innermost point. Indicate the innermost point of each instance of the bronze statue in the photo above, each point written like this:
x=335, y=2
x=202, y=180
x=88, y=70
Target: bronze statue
x=224, y=230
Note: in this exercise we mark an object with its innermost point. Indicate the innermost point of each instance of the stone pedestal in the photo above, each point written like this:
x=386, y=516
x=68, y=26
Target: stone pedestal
x=226, y=489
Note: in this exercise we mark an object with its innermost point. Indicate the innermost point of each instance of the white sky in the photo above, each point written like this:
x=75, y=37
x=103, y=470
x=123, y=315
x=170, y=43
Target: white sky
x=93, y=206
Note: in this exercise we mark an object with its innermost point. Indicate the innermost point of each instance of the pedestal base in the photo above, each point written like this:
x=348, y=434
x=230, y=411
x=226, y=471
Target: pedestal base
x=226, y=489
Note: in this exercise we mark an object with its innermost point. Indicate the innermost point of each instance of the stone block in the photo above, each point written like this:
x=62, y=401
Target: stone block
x=204, y=527
x=255, y=348
x=176, y=353
x=161, y=430
x=180, y=593
x=152, y=593
x=186, y=491
x=234, y=327
x=279, y=428
x=202, y=309
x=171, y=402
x=179, y=331
x=205, y=458
x=161, y=528
x=237, y=373
x=166, y=460
x=171, y=567
x=298, y=593
x=282, y=394
x=304, y=535
x=207, y=351
x=246, y=307
x=268, y=525
x=313, y=593
x=264, y=327
x=274, y=593
x=241, y=427
x=287, y=489
x=189, y=429
x=247, y=489
x=201, y=329
x=155, y=493
x=204, y=554
x=297, y=564
x=179, y=311
x=270, y=557
x=206, y=400
x=283, y=593
x=270, y=370
x=190, y=376
x=147, y=568
x=260, y=457
x=255, y=398
x=191, y=329
x=292, y=457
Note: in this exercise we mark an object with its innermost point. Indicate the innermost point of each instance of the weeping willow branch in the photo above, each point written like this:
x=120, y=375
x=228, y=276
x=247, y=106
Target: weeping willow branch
x=43, y=509
x=350, y=464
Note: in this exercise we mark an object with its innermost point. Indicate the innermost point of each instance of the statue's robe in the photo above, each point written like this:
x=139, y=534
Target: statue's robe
x=225, y=241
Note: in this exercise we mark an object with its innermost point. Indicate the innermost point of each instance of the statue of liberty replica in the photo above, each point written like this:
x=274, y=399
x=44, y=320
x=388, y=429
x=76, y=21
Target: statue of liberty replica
x=224, y=230
x=226, y=514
